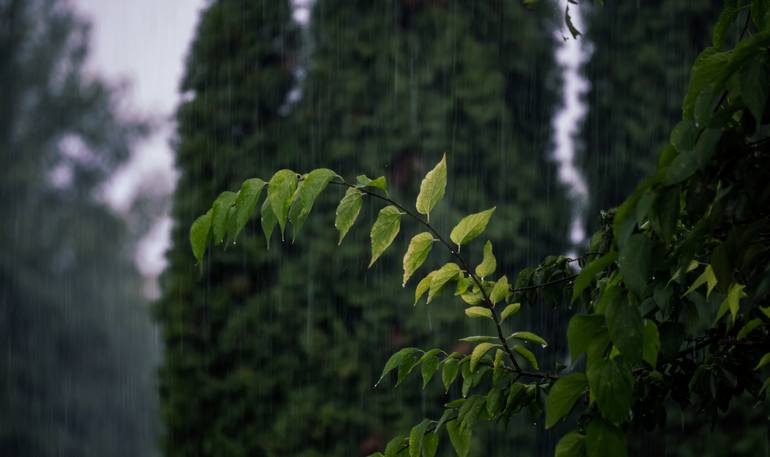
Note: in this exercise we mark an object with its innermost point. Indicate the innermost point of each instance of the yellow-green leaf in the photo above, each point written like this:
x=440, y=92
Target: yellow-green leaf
x=347, y=211
x=510, y=310
x=763, y=361
x=488, y=262
x=422, y=287
x=280, y=191
x=499, y=291
x=416, y=436
x=528, y=355
x=384, y=231
x=432, y=188
x=470, y=227
x=732, y=302
x=478, y=353
x=707, y=277
x=442, y=276
x=478, y=311
x=529, y=336
x=416, y=253
x=268, y=221
x=199, y=235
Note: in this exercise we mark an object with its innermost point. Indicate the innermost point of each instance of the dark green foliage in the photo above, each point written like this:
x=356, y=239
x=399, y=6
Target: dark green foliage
x=76, y=375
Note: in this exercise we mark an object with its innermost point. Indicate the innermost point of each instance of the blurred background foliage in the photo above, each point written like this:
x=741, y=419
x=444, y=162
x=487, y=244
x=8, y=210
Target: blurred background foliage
x=258, y=360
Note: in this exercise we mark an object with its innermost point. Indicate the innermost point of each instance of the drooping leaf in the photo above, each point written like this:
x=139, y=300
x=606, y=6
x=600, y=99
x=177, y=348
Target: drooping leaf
x=423, y=286
x=707, y=277
x=562, y=397
x=416, y=436
x=432, y=188
x=347, y=211
x=754, y=86
x=470, y=227
x=430, y=445
x=688, y=162
x=635, y=263
x=441, y=277
x=732, y=302
x=478, y=353
x=449, y=372
x=605, y=440
x=384, y=231
x=200, y=232
x=509, y=310
x=416, y=253
x=573, y=444
x=219, y=212
x=529, y=336
x=394, y=446
x=612, y=385
x=499, y=291
x=478, y=311
x=528, y=355
x=312, y=186
x=268, y=221
x=395, y=361
x=377, y=183
x=488, y=262
x=279, y=192
x=460, y=437
x=589, y=273
x=651, y=343
x=429, y=365
x=625, y=325
x=724, y=21
x=582, y=331
x=245, y=205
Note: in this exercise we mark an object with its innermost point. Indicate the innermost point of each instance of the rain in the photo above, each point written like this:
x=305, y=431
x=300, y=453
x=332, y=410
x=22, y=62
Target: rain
x=150, y=307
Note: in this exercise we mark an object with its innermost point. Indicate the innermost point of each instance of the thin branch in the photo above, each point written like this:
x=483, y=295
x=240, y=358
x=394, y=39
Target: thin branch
x=545, y=284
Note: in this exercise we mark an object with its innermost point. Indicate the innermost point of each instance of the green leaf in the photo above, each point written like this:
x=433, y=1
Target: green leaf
x=460, y=437
x=423, y=286
x=488, y=263
x=478, y=311
x=724, y=21
x=582, y=332
x=416, y=253
x=754, y=86
x=651, y=343
x=449, y=372
x=499, y=291
x=394, y=446
x=470, y=227
x=416, y=438
x=268, y=221
x=612, y=386
x=531, y=337
x=395, y=361
x=605, y=440
x=442, y=276
x=494, y=401
x=707, y=277
x=708, y=69
x=478, y=353
x=430, y=445
x=312, y=186
x=562, y=397
x=686, y=163
x=245, y=205
x=748, y=328
x=573, y=444
x=625, y=324
x=732, y=302
x=588, y=273
x=219, y=212
x=763, y=361
x=509, y=310
x=635, y=263
x=279, y=192
x=347, y=211
x=377, y=183
x=480, y=339
x=384, y=231
x=432, y=188
x=528, y=355
x=199, y=235
x=429, y=366
x=760, y=13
